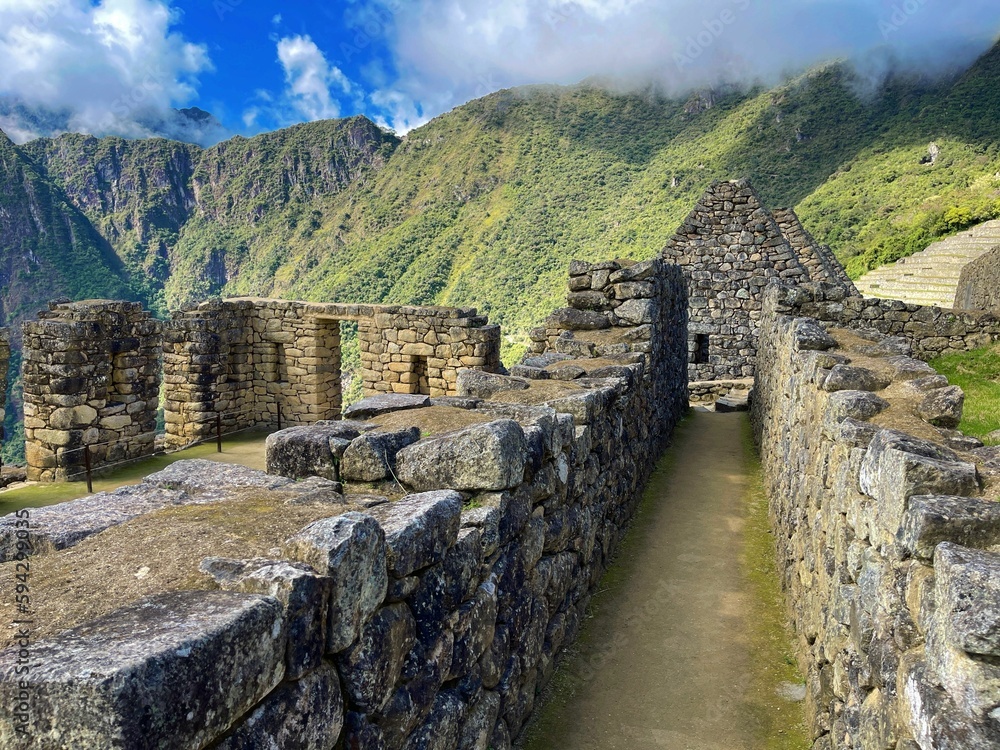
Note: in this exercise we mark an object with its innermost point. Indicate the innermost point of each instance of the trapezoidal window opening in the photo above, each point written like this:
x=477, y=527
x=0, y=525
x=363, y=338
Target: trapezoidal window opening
x=274, y=364
x=420, y=383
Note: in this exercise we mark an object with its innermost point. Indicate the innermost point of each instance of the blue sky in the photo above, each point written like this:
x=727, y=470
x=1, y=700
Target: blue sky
x=120, y=66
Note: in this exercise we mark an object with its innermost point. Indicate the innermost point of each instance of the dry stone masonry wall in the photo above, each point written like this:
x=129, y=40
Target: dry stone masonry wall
x=91, y=375
x=457, y=543
x=977, y=287
x=930, y=331
x=730, y=248
x=249, y=358
x=886, y=520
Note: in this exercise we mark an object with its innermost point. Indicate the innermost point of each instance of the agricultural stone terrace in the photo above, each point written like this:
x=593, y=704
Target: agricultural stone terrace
x=414, y=588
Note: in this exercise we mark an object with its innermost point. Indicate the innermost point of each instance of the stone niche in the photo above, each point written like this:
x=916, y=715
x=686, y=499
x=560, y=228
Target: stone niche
x=91, y=378
x=264, y=362
x=730, y=248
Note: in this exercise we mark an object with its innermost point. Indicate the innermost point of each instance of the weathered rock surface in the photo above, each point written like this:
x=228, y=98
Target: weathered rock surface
x=375, y=406
x=419, y=529
x=198, y=475
x=310, y=450
x=943, y=407
x=307, y=713
x=484, y=384
x=174, y=670
x=371, y=667
x=350, y=549
x=67, y=524
x=482, y=457
x=372, y=456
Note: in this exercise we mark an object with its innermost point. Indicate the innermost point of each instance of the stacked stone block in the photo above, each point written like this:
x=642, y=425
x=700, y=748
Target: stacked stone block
x=886, y=546
x=91, y=374
x=433, y=620
x=419, y=350
x=929, y=331
x=249, y=359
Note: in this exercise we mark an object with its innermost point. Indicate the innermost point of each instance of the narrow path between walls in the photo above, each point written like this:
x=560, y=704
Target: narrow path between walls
x=685, y=648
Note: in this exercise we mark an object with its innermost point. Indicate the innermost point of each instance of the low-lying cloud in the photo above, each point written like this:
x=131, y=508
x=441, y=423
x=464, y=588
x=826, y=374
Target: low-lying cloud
x=450, y=51
x=115, y=67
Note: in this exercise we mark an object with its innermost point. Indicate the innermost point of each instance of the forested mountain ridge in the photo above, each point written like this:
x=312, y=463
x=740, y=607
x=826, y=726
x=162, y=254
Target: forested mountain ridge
x=485, y=204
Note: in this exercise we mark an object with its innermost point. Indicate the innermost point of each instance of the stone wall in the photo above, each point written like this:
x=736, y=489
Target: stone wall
x=931, y=331
x=978, y=288
x=4, y=364
x=91, y=374
x=730, y=248
x=246, y=359
x=884, y=518
x=460, y=541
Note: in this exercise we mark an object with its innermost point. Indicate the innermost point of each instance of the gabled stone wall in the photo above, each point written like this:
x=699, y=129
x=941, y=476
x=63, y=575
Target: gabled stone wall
x=886, y=521
x=246, y=359
x=91, y=375
x=730, y=248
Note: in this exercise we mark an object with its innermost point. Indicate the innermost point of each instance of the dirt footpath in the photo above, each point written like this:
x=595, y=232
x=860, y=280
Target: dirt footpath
x=666, y=660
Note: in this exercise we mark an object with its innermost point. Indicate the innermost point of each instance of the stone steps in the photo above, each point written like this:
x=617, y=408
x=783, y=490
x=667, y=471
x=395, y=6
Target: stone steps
x=931, y=276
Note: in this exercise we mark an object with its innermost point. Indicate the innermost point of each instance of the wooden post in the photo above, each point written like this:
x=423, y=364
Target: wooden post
x=86, y=463
x=218, y=432
x=279, y=416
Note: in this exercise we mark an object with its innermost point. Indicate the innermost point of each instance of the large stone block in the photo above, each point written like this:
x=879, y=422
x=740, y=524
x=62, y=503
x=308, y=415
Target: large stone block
x=372, y=456
x=476, y=384
x=374, y=406
x=306, y=451
x=175, y=670
x=930, y=520
x=490, y=456
x=419, y=529
x=372, y=666
x=898, y=466
x=306, y=713
x=350, y=549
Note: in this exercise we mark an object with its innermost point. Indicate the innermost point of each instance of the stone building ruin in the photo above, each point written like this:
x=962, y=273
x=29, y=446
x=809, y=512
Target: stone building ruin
x=91, y=373
x=248, y=359
x=730, y=248
x=92, y=370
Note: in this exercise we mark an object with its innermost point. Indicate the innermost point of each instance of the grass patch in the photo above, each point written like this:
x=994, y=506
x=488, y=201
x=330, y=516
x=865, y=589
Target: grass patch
x=771, y=639
x=245, y=448
x=978, y=374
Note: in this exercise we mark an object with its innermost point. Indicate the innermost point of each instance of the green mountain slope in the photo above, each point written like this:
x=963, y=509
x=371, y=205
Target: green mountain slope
x=487, y=203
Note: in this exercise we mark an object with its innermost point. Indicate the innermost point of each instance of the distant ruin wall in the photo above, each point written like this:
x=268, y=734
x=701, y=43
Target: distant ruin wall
x=932, y=331
x=883, y=537
x=247, y=358
x=4, y=365
x=729, y=248
x=429, y=621
x=91, y=373
x=979, y=285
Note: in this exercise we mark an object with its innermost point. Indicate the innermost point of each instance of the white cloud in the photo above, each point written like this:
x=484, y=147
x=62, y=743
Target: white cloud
x=448, y=51
x=309, y=78
x=111, y=67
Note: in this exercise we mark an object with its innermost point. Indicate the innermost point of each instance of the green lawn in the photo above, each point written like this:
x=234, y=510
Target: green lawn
x=246, y=448
x=978, y=374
